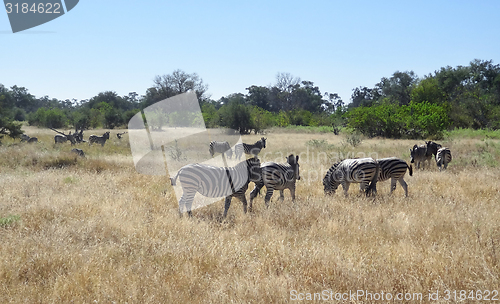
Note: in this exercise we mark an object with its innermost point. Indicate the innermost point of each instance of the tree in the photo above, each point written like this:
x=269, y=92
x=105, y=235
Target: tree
x=174, y=84
x=361, y=97
x=397, y=88
x=7, y=124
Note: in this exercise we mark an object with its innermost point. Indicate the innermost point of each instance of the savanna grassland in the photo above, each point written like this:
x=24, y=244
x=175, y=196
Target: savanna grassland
x=94, y=230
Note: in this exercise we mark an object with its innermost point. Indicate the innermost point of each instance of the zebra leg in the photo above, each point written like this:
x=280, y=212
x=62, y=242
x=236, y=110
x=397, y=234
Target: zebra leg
x=253, y=194
x=186, y=201
x=346, y=185
x=243, y=199
x=282, y=195
x=393, y=184
x=404, y=185
x=227, y=204
x=269, y=194
x=292, y=193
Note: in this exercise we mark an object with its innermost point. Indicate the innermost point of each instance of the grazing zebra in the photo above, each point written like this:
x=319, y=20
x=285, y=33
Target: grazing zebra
x=443, y=157
x=79, y=152
x=419, y=155
x=254, y=149
x=277, y=177
x=99, y=139
x=119, y=135
x=359, y=170
x=395, y=169
x=28, y=139
x=60, y=139
x=212, y=181
x=220, y=147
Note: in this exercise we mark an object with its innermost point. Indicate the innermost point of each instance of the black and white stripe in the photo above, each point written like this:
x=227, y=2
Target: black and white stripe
x=360, y=170
x=79, y=152
x=220, y=147
x=213, y=181
x=99, y=139
x=432, y=148
x=278, y=177
x=395, y=169
x=419, y=155
x=60, y=139
x=254, y=149
x=443, y=158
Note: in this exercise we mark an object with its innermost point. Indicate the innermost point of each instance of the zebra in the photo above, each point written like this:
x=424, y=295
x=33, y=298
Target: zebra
x=220, y=147
x=98, y=139
x=432, y=148
x=359, y=170
x=28, y=139
x=277, y=177
x=212, y=181
x=24, y=137
x=419, y=155
x=443, y=157
x=119, y=135
x=79, y=152
x=60, y=139
x=254, y=149
x=395, y=169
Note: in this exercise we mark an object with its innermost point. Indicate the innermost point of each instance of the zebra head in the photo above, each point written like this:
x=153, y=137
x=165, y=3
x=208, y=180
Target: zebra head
x=412, y=154
x=254, y=169
x=263, y=142
x=331, y=181
x=294, y=162
x=432, y=148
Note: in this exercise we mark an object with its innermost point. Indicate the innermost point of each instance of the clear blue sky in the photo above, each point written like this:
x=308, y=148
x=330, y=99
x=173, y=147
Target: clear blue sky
x=339, y=45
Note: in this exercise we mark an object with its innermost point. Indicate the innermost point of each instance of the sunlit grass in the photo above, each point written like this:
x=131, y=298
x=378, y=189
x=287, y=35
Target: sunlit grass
x=98, y=231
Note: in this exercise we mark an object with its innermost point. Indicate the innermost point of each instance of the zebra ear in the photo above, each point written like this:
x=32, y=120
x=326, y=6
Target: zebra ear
x=297, y=158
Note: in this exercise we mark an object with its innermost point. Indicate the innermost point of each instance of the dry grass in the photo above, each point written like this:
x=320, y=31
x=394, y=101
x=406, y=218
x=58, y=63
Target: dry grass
x=97, y=231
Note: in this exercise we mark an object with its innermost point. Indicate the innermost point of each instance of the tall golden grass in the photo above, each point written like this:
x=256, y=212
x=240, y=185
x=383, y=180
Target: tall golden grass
x=96, y=231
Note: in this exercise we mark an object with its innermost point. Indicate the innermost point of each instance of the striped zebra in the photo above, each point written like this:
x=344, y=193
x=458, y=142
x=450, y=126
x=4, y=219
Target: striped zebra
x=395, y=169
x=60, y=139
x=98, y=139
x=419, y=155
x=432, y=148
x=220, y=147
x=277, y=177
x=212, y=181
x=443, y=157
x=359, y=170
x=79, y=152
x=254, y=149
x=28, y=139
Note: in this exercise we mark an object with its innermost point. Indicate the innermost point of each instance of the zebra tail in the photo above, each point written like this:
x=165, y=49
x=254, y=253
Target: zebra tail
x=173, y=179
x=410, y=169
x=372, y=189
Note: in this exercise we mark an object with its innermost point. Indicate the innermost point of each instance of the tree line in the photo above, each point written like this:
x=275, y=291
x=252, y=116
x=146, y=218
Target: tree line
x=400, y=106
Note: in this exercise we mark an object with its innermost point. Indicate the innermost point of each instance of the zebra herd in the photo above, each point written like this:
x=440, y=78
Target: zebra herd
x=229, y=182
x=421, y=154
x=224, y=148
x=74, y=138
